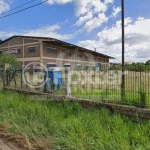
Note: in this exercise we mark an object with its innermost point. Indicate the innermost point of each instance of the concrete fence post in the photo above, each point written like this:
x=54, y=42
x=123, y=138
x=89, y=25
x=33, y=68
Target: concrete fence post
x=6, y=66
x=68, y=82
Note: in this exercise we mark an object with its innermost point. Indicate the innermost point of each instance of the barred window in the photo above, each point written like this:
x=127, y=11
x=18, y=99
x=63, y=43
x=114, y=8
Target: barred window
x=32, y=49
x=52, y=51
x=67, y=54
x=79, y=56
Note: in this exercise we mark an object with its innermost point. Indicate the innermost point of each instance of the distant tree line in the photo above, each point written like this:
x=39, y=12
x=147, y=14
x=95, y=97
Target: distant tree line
x=133, y=66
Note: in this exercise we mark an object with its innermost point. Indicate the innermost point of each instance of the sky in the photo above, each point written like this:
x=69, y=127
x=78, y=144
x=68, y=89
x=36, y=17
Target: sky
x=87, y=23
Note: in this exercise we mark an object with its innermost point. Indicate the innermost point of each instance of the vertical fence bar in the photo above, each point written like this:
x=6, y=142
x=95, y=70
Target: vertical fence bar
x=21, y=79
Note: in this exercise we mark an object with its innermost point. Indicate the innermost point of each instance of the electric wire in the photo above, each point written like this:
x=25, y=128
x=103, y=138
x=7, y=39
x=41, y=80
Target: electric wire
x=23, y=9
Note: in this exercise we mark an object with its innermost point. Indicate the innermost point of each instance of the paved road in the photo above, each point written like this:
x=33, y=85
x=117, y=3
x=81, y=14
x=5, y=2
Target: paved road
x=4, y=146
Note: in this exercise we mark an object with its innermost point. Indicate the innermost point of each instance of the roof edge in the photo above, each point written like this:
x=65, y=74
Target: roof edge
x=48, y=38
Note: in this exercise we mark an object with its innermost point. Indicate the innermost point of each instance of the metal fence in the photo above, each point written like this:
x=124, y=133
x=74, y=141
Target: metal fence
x=31, y=80
x=103, y=85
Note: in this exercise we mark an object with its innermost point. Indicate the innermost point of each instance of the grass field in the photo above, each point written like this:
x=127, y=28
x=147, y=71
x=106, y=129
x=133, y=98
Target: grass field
x=68, y=126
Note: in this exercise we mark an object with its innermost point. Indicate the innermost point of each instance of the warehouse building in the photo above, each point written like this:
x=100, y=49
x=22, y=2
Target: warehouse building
x=51, y=52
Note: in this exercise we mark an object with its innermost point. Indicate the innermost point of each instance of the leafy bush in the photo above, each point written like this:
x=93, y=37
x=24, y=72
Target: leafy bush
x=143, y=98
x=8, y=58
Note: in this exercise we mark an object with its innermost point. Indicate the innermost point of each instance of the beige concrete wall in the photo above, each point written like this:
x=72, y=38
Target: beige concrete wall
x=30, y=41
x=4, y=45
x=16, y=41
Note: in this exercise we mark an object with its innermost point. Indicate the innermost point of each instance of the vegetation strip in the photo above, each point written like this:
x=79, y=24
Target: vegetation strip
x=128, y=110
x=67, y=126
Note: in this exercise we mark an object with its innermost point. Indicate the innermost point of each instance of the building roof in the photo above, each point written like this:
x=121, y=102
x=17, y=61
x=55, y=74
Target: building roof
x=63, y=44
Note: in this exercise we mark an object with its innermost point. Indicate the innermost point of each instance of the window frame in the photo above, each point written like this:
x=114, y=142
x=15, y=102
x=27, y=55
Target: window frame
x=52, y=50
x=30, y=48
x=79, y=56
x=66, y=54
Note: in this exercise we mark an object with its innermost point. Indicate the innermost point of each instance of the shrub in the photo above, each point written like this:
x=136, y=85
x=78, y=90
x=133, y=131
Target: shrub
x=143, y=98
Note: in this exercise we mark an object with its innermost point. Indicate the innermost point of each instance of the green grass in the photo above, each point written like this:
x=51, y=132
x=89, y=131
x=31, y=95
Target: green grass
x=68, y=126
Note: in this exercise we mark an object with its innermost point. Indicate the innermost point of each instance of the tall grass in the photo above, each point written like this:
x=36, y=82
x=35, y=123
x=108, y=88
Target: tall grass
x=68, y=126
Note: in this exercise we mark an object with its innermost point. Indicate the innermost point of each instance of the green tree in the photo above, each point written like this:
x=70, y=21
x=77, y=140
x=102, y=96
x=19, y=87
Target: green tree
x=0, y=40
x=148, y=62
x=8, y=58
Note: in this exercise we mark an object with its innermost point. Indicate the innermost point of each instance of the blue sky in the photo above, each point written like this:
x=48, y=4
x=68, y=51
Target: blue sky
x=88, y=23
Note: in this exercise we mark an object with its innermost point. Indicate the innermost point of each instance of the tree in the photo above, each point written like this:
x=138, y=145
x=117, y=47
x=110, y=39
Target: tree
x=148, y=62
x=0, y=40
x=8, y=58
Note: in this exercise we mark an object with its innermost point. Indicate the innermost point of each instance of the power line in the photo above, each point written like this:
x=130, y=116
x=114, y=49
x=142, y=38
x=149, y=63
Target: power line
x=24, y=9
x=18, y=7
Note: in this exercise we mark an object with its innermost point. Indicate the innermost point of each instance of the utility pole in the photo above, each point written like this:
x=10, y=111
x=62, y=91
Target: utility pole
x=123, y=41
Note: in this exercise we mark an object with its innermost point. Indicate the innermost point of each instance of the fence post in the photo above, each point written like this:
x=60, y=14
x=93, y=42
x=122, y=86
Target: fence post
x=21, y=78
x=4, y=74
x=68, y=82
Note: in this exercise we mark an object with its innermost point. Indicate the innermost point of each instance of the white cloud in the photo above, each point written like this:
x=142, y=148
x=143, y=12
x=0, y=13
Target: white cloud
x=116, y=11
x=91, y=13
x=3, y=6
x=98, y=6
x=4, y=34
x=51, y=2
x=109, y=1
x=83, y=19
x=81, y=7
x=47, y=31
x=137, y=37
x=95, y=22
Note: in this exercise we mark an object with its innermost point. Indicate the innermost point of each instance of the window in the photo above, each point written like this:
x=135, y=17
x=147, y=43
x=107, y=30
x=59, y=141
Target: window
x=79, y=67
x=67, y=54
x=18, y=51
x=31, y=49
x=52, y=50
x=79, y=56
x=67, y=65
x=15, y=51
x=51, y=64
x=86, y=57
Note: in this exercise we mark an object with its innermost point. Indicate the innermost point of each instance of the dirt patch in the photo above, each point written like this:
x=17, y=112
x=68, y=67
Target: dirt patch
x=10, y=141
x=4, y=145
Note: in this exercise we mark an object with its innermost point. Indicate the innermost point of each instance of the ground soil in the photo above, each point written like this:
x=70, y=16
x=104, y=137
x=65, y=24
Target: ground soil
x=5, y=145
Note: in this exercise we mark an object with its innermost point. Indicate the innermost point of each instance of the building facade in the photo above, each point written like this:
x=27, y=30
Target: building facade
x=52, y=51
